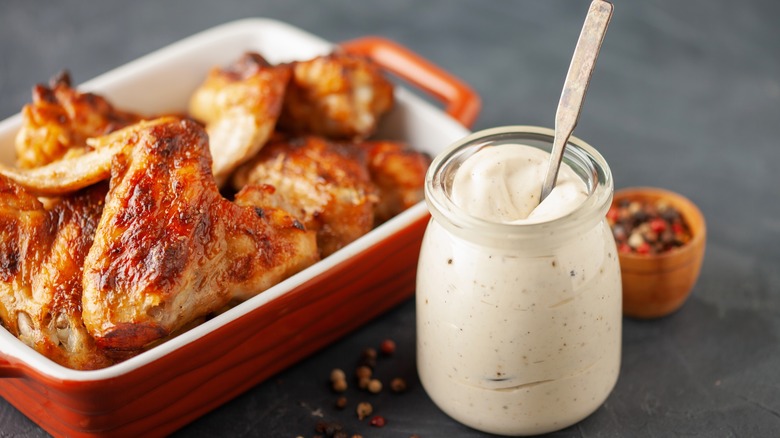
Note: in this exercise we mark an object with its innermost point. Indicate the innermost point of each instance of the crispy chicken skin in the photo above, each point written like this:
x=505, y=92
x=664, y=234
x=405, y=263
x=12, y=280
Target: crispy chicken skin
x=41, y=256
x=169, y=248
x=324, y=184
x=336, y=96
x=68, y=174
x=60, y=119
x=399, y=173
x=240, y=105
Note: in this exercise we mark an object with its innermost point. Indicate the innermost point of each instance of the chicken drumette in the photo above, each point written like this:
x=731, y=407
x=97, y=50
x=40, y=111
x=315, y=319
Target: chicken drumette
x=239, y=105
x=336, y=96
x=325, y=184
x=59, y=121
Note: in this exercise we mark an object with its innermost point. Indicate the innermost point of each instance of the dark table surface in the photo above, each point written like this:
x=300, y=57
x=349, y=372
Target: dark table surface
x=685, y=96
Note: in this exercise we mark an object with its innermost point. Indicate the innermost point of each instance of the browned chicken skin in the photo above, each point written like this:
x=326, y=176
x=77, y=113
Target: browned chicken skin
x=325, y=184
x=41, y=256
x=169, y=248
x=399, y=173
x=240, y=105
x=59, y=121
x=336, y=96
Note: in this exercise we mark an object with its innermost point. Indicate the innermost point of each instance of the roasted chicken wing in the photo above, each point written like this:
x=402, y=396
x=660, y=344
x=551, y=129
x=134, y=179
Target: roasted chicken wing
x=240, y=105
x=399, y=173
x=336, y=96
x=42, y=252
x=325, y=184
x=68, y=174
x=169, y=248
x=59, y=121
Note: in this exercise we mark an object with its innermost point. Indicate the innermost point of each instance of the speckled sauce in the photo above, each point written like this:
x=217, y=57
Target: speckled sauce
x=519, y=336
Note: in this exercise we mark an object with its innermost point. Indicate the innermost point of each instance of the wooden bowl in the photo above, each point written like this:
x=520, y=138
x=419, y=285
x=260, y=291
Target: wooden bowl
x=655, y=285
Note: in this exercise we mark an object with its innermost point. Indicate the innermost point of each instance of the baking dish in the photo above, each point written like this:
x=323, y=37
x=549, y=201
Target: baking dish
x=168, y=386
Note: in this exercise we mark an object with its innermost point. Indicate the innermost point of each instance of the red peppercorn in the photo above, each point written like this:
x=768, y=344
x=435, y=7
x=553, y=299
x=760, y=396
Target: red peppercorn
x=658, y=225
x=612, y=214
x=643, y=248
x=387, y=347
x=378, y=421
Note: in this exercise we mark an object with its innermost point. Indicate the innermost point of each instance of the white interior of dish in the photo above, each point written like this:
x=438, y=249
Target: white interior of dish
x=163, y=81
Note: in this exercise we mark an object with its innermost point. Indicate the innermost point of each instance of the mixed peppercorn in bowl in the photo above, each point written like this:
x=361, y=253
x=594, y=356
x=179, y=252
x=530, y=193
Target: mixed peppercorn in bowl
x=660, y=236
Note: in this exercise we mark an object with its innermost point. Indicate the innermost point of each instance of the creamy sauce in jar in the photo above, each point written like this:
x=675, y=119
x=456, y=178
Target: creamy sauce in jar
x=518, y=312
x=503, y=184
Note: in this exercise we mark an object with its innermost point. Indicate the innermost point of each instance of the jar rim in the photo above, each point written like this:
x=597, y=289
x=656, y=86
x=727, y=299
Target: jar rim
x=582, y=157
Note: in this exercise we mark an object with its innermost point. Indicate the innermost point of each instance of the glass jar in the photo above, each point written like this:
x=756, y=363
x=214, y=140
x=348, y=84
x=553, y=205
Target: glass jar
x=518, y=326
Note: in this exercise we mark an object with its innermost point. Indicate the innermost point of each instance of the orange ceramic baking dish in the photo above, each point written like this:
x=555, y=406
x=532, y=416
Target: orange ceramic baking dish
x=168, y=386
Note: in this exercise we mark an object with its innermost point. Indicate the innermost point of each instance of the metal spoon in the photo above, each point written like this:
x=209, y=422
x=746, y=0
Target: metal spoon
x=576, y=84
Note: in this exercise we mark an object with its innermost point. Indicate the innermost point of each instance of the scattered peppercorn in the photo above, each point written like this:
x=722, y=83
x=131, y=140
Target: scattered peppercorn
x=328, y=428
x=378, y=421
x=387, y=347
x=368, y=357
x=364, y=409
x=398, y=385
x=337, y=374
x=340, y=385
x=647, y=227
x=374, y=386
x=363, y=371
x=341, y=403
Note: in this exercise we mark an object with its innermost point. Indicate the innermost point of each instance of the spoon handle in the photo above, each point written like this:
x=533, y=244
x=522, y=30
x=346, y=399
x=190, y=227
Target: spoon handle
x=576, y=84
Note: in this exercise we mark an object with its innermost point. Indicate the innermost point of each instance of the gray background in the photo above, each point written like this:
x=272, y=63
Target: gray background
x=686, y=96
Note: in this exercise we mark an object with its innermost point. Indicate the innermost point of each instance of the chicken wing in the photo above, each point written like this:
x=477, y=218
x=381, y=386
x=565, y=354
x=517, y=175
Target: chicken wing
x=336, y=96
x=169, y=248
x=68, y=174
x=41, y=255
x=240, y=105
x=324, y=184
x=399, y=173
x=60, y=119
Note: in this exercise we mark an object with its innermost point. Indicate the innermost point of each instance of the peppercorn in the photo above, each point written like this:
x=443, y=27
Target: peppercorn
x=341, y=403
x=363, y=371
x=387, y=347
x=374, y=386
x=364, y=409
x=398, y=385
x=340, y=385
x=329, y=429
x=378, y=421
x=368, y=358
x=337, y=374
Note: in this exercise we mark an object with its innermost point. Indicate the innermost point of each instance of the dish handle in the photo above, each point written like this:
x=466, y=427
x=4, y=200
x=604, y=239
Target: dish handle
x=460, y=101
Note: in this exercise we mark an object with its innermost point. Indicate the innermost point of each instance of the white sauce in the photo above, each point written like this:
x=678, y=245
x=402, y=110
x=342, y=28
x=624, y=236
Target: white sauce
x=504, y=183
x=518, y=340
